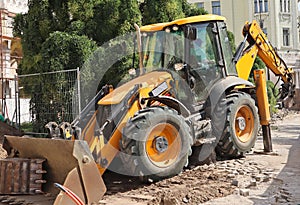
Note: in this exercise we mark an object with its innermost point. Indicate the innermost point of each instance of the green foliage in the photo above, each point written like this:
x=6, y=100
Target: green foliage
x=192, y=9
x=63, y=51
x=129, y=14
x=168, y=10
x=18, y=25
x=231, y=41
x=161, y=11
x=103, y=25
x=258, y=64
x=272, y=93
x=61, y=34
x=27, y=127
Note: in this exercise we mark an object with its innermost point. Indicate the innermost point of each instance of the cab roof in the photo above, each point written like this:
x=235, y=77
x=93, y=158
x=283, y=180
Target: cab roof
x=193, y=19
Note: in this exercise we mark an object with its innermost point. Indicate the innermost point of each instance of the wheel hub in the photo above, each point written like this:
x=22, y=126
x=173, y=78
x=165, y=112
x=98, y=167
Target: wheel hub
x=241, y=123
x=161, y=144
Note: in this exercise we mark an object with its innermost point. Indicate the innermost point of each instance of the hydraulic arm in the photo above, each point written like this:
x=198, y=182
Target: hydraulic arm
x=244, y=58
x=260, y=45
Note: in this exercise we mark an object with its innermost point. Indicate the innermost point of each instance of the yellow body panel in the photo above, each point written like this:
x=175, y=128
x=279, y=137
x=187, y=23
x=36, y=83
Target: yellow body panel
x=245, y=63
x=88, y=131
x=111, y=148
x=193, y=19
x=262, y=97
x=265, y=51
x=149, y=80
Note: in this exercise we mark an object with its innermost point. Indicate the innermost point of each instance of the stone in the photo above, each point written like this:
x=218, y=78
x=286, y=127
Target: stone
x=169, y=201
x=240, y=161
x=235, y=182
x=244, y=192
x=185, y=200
x=236, y=192
x=231, y=176
x=266, y=178
x=253, y=182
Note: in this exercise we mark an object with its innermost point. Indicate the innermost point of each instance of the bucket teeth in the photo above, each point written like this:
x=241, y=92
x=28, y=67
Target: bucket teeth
x=21, y=176
x=40, y=181
x=40, y=171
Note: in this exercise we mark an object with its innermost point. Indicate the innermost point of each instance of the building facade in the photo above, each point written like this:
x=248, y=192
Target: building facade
x=9, y=56
x=279, y=19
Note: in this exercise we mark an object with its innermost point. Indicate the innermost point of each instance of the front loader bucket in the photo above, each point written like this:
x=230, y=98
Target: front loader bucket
x=67, y=162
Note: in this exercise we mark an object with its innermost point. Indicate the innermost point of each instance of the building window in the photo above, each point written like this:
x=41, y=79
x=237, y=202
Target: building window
x=216, y=7
x=286, y=37
x=266, y=5
x=285, y=6
x=261, y=6
x=200, y=5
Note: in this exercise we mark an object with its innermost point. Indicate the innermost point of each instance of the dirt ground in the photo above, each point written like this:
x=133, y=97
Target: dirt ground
x=258, y=178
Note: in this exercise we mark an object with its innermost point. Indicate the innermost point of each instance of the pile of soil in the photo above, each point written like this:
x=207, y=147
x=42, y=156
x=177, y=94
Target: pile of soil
x=6, y=129
x=192, y=186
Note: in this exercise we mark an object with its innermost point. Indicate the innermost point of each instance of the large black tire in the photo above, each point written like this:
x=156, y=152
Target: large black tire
x=155, y=144
x=203, y=154
x=241, y=126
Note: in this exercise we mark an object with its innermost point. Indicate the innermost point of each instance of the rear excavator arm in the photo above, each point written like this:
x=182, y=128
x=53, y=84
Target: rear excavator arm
x=259, y=45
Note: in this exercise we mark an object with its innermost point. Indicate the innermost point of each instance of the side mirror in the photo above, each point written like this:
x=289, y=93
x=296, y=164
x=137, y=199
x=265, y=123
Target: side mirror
x=190, y=32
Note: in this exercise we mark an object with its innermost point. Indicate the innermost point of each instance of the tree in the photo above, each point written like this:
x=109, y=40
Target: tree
x=168, y=10
x=52, y=94
x=103, y=25
x=231, y=41
x=33, y=28
x=191, y=9
x=161, y=11
x=113, y=18
x=45, y=17
x=59, y=34
x=63, y=51
x=129, y=14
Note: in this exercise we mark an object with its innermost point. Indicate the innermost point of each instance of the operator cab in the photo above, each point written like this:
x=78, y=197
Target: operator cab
x=196, y=49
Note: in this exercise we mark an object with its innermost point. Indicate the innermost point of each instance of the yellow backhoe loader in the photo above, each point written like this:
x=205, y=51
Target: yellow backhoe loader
x=189, y=99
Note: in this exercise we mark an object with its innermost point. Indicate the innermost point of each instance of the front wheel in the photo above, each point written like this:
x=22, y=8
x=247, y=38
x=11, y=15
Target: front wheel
x=156, y=144
x=241, y=126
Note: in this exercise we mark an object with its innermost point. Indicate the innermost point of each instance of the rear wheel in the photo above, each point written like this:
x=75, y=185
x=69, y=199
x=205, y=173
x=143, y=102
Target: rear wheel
x=241, y=126
x=156, y=144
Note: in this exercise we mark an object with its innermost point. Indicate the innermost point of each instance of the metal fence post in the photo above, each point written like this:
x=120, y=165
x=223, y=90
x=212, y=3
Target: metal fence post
x=79, y=95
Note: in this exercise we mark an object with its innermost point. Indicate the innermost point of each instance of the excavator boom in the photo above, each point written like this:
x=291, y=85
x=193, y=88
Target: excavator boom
x=260, y=45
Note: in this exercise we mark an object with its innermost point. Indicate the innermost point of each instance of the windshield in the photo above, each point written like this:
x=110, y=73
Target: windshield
x=162, y=49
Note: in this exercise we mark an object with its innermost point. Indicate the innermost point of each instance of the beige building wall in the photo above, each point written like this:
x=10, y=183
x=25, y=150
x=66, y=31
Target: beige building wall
x=237, y=12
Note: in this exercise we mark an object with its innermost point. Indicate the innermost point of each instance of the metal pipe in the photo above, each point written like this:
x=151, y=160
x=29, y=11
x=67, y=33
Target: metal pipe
x=263, y=108
x=1, y=59
x=267, y=140
x=16, y=101
x=139, y=42
x=78, y=90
